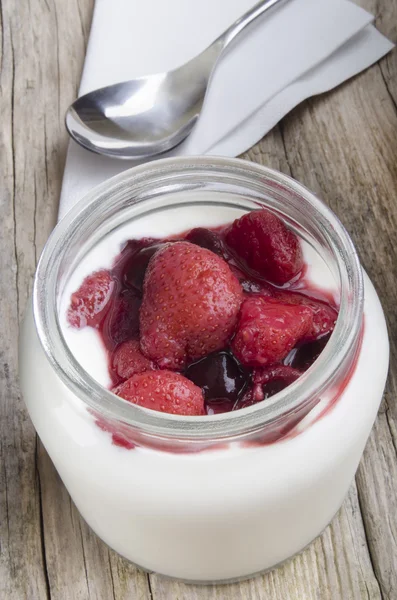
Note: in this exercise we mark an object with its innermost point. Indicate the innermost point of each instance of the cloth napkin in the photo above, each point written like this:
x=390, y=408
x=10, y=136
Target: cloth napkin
x=297, y=50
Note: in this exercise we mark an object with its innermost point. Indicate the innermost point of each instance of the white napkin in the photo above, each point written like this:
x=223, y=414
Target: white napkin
x=302, y=48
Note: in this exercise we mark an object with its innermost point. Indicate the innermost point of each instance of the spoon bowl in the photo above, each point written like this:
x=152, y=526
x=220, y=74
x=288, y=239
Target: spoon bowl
x=149, y=115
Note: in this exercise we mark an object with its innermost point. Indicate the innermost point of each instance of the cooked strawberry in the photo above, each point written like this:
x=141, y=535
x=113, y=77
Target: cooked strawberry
x=129, y=360
x=262, y=241
x=324, y=315
x=165, y=391
x=190, y=305
x=89, y=304
x=267, y=331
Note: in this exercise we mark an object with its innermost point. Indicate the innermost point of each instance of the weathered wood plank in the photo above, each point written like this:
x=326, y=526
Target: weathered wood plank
x=376, y=479
x=386, y=22
x=344, y=147
x=22, y=572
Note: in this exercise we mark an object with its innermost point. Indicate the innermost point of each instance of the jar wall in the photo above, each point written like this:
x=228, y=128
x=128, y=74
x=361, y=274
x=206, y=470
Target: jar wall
x=217, y=514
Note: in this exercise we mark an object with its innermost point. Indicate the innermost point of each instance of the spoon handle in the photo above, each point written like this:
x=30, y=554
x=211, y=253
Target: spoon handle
x=256, y=11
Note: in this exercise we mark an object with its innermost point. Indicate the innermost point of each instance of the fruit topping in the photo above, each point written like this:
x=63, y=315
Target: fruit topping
x=304, y=355
x=210, y=307
x=207, y=239
x=190, y=305
x=267, y=331
x=324, y=315
x=216, y=406
x=266, y=382
x=271, y=380
x=134, y=268
x=89, y=304
x=219, y=375
x=129, y=360
x=164, y=391
x=262, y=241
x=122, y=320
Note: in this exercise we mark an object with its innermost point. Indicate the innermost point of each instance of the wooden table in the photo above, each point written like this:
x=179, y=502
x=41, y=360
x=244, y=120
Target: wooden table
x=342, y=145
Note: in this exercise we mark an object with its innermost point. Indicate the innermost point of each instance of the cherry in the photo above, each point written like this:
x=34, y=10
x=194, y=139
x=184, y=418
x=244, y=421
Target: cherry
x=219, y=375
x=135, y=265
x=217, y=406
x=267, y=382
x=304, y=355
x=271, y=380
x=122, y=320
x=273, y=387
x=207, y=239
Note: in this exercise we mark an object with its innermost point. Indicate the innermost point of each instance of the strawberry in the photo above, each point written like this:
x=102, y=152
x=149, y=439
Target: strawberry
x=190, y=305
x=267, y=331
x=90, y=303
x=164, y=391
x=262, y=242
x=128, y=360
x=324, y=315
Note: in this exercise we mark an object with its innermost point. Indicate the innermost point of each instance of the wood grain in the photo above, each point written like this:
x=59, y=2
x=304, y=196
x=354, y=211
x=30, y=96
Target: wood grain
x=343, y=145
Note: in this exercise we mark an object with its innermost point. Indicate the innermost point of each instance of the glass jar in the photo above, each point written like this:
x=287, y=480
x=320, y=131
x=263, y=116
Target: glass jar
x=220, y=497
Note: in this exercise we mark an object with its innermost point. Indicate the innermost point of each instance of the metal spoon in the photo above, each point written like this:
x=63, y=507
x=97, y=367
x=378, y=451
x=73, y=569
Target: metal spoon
x=149, y=115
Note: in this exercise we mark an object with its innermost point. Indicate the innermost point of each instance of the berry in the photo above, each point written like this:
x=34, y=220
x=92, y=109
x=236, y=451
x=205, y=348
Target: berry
x=266, y=245
x=190, y=305
x=306, y=354
x=217, y=406
x=266, y=383
x=122, y=320
x=129, y=360
x=135, y=268
x=271, y=380
x=219, y=375
x=324, y=315
x=164, y=391
x=267, y=331
x=207, y=239
x=88, y=306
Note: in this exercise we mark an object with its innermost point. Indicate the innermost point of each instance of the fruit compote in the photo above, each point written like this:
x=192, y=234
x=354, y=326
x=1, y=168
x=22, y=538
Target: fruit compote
x=209, y=321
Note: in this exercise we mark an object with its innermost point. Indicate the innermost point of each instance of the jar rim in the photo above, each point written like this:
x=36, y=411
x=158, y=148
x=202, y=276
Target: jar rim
x=236, y=423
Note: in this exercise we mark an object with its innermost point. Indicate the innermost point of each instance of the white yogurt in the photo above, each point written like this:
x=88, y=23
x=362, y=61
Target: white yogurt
x=212, y=515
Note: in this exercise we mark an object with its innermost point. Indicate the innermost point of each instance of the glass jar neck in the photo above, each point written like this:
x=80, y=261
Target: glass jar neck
x=157, y=187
